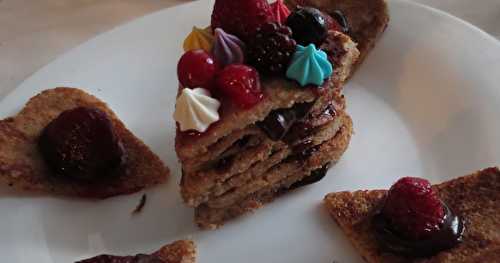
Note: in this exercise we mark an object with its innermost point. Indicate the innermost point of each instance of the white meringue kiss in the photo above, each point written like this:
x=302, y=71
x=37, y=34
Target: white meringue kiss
x=195, y=109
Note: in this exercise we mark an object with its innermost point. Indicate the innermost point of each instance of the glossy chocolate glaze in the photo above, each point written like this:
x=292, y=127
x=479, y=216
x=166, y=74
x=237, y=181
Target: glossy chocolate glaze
x=447, y=237
x=314, y=177
x=140, y=258
x=277, y=124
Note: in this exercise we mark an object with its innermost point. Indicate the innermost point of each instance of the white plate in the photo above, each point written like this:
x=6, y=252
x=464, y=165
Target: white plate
x=425, y=103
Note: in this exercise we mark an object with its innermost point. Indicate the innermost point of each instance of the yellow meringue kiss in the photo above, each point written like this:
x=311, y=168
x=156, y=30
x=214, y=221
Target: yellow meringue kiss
x=199, y=39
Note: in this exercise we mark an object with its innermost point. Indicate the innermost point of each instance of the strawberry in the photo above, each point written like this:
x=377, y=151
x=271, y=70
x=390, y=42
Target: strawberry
x=241, y=17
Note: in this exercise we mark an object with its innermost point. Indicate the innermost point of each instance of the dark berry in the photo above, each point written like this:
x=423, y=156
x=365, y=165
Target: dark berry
x=81, y=143
x=241, y=84
x=308, y=26
x=336, y=23
x=241, y=17
x=413, y=209
x=271, y=48
x=342, y=22
x=196, y=68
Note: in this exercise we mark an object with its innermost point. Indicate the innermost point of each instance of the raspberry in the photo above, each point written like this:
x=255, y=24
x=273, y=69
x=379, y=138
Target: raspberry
x=271, y=48
x=196, y=68
x=241, y=17
x=81, y=143
x=413, y=209
x=241, y=84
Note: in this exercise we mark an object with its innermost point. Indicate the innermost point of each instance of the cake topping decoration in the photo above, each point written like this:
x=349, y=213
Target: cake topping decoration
x=241, y=17
x=81, y=143
x=308, y=26
x=309, y=66
x=199, y=39
x=195, y=109
x=414, y=221
x=271, y=49
x=341, y=21
x=228, y=49
x=241, y=84
x=280, y=11
x=196, y=68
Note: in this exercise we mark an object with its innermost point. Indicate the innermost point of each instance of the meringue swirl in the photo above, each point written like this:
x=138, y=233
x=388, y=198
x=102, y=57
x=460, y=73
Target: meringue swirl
x=309, y=66
x=199, y=39
x=195, y=109
x=228, y=49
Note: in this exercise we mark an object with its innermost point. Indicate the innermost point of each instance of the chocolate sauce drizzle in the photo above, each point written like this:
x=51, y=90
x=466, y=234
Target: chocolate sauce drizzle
x=290, y=126
x=277, y=124
x=140, y=258
x=314, y=177
x=448, y=236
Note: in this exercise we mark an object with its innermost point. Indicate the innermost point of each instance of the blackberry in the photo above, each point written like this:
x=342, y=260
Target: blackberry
x=271, y=48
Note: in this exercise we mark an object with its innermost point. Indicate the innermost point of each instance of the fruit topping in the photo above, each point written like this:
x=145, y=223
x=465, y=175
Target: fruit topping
x=278, y=122
x=271, y=49
x=196, y=68
x=199, y=39
x=140, y=258
x=309, y=66
x=241, y=17
x=280, y=11
x=228, y=49
x=415, y=222
x=342, y=22
x=308, y=26
x=413, y=208
x=195, y=110
x=314, y=177
x=241, y=84
x=82, y=144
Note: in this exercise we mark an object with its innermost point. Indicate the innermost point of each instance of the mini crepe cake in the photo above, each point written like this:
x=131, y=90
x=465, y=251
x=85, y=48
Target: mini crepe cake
x=260, y=108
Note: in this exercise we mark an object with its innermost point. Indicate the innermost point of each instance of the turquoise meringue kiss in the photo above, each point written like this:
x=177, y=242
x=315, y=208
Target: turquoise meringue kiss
x=309, y=66
x=228, y=49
